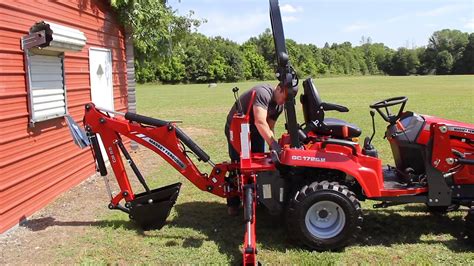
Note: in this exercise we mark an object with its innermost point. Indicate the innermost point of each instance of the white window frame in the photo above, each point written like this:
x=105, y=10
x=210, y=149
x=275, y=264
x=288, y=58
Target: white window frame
x=49, y=39
x=29, y=84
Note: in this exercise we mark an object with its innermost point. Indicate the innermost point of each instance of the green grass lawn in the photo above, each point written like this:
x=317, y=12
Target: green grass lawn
x=199, y=231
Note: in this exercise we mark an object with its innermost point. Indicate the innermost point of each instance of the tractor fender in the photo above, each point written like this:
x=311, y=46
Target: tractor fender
x=366, y=170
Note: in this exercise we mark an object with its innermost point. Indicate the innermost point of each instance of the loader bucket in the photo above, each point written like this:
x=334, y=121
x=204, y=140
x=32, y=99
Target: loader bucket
x=150, y=210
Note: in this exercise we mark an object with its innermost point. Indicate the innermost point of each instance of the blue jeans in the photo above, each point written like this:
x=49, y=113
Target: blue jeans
x=258, y=145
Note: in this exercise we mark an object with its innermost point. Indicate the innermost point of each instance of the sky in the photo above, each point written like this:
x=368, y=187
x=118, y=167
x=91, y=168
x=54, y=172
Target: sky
x=397, y=23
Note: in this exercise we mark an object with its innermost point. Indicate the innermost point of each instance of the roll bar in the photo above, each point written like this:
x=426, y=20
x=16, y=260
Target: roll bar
x=285, y=73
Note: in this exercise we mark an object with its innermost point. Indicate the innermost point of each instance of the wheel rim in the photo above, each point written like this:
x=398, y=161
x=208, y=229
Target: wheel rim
x=325, y=219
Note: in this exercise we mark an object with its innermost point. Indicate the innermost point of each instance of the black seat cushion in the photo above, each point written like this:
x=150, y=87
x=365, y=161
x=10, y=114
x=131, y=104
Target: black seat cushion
x=313, y=111
x=334, y=128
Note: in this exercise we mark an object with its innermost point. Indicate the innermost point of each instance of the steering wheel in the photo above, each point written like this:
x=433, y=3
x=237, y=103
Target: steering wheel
x=388, y=116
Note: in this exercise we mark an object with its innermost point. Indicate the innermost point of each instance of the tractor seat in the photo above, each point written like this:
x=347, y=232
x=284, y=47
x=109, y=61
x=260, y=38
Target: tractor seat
x=335, y=128
x=313, y=111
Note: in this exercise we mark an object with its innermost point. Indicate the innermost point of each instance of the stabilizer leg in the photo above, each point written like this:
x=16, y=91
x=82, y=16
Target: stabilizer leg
x=249, y=200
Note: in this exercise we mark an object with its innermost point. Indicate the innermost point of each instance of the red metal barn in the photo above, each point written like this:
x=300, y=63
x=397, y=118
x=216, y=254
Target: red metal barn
x=55, y=56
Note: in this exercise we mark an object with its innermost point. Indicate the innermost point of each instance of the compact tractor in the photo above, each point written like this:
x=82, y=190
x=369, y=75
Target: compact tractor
x=318, y=179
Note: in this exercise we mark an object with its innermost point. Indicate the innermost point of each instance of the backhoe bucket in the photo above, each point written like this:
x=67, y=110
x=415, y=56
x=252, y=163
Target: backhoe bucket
x=150, y=210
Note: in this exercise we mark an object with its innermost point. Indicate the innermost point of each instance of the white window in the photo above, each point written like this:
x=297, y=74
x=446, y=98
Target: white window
x=47, y=91
x=44, y=51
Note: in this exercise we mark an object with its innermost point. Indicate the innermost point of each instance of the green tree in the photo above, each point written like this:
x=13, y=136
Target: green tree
x=145, y=71
x=234, y=59
x=171, y=69
x=197, y=57
x=444, y=62
x=155, y=28
x=217, y=69
x=369, y=57
x=466, y=63
x=451, y=41
x=266, y=48
x=153, y=24
x=255, y=66
x=405, y=62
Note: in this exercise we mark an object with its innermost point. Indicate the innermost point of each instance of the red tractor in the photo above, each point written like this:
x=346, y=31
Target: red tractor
x=319, y=177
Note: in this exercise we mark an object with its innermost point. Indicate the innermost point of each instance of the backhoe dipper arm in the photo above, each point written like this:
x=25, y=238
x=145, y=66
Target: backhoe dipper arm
x=160, y=136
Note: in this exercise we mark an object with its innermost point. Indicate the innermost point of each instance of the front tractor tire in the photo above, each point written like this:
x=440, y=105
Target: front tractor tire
x=324, y=216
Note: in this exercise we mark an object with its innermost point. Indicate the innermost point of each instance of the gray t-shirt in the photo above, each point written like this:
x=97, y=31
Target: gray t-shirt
x=263, y=98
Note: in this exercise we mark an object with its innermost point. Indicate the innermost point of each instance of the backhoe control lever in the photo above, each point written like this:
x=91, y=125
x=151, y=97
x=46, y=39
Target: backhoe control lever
x=238, y=104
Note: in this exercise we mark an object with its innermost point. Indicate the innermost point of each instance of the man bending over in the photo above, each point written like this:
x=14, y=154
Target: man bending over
x=266, y=108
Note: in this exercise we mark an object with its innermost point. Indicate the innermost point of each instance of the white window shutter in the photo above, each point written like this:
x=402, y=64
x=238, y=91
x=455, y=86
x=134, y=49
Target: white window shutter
x=47, y=90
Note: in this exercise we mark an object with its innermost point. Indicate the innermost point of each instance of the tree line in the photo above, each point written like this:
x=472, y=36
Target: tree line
x=168, y=49
x=197, y=58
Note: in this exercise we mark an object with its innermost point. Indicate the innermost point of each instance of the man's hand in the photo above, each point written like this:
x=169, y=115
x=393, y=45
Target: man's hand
x=275, y=150
x=275, y=147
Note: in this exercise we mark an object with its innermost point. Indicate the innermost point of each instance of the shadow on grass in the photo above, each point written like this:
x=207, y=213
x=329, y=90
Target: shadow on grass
x=211, y=219
x=381, y=227
x=389, y=227
x=40, y=224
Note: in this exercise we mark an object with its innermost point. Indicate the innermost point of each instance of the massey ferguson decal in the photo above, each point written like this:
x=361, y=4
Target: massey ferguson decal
x=461, y=129
x=163, y=149
x=308, y=158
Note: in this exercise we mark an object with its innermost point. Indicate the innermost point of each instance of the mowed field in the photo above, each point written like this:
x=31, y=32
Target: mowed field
x=200, y=232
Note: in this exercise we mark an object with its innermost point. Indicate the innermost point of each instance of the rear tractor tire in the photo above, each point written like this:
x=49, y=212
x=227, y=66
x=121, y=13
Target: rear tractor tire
x=324, y=216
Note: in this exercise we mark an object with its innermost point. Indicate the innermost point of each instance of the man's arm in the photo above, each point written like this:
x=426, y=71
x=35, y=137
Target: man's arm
x=263, y=127
x=271, y=124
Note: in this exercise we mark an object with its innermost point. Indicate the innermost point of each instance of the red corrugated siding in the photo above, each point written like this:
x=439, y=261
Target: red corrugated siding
x=39, y=163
